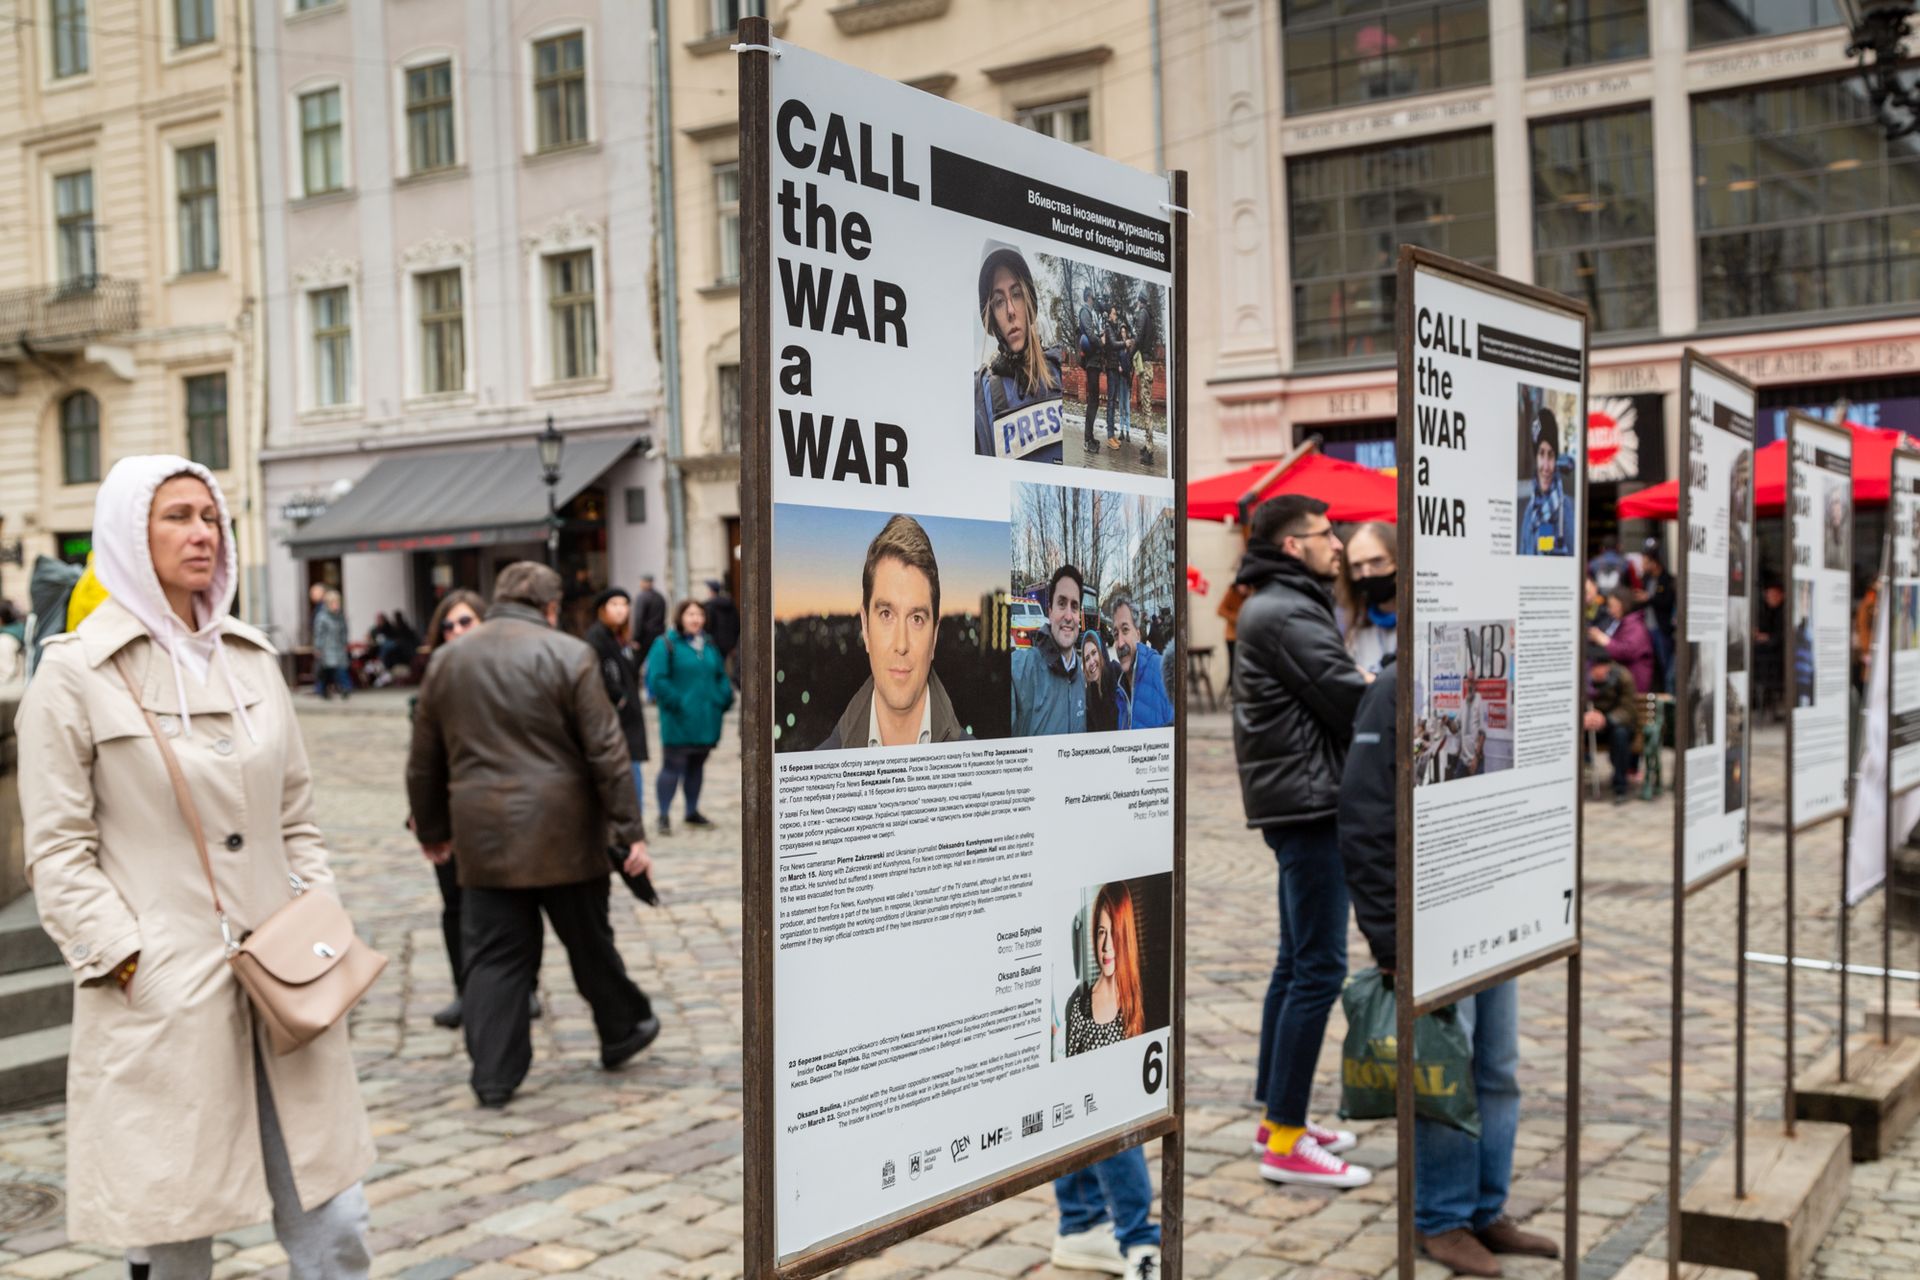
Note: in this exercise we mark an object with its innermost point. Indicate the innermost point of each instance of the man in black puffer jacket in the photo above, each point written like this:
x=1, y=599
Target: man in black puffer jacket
x=1296, y=690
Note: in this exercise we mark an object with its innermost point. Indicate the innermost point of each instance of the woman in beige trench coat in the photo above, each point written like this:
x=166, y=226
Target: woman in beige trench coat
x=180, y=1123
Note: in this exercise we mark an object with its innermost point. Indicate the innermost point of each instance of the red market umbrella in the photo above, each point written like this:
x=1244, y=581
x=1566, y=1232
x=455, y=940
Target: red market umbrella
x=1352, y=492
x=1872, y=462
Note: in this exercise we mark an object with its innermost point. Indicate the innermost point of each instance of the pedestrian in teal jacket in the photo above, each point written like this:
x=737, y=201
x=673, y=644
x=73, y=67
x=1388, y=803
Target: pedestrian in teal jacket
x=687, y=678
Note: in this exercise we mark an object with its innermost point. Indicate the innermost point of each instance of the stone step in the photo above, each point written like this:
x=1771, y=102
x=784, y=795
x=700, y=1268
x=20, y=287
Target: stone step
x=23, y=943
x=33, y=1067
x=36, y=999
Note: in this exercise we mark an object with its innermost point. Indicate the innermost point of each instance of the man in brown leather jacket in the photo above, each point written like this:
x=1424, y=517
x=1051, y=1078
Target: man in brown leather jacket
x=519, y=762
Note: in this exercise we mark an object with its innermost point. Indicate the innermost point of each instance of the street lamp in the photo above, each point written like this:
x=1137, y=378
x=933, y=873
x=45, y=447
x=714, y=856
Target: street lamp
x=552, y=446
x=1880, y=28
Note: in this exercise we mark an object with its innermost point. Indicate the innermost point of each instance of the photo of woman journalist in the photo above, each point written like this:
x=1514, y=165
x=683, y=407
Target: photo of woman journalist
x=1735, y=796
x=889, y=630
x=1093, y=577
x=1739, y=527
x=1115, y=983
x=1115, y=373
x=1833, y=524
x=1018, y=406
x=1548, y=455
x=1702, y=680
x=1804, y=668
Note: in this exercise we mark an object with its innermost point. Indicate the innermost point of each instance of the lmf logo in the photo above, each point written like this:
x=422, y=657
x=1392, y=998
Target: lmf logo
x=995, y=1138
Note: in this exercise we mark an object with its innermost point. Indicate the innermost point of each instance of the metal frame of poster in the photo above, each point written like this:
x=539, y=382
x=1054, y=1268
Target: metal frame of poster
x=1415, y=262
x=1801, y=426
x=1905, y=457
x=757, y=51
x=1741, y=505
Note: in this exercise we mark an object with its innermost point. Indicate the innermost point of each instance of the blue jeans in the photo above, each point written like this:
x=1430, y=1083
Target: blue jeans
x=326, y=679
x=1117, y=1187
x=639, y=788
x=1461, y=1181
x=1125, y=398
x=1309, y=970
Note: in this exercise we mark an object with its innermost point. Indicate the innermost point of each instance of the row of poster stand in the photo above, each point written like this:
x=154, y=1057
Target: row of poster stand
x=930, y=927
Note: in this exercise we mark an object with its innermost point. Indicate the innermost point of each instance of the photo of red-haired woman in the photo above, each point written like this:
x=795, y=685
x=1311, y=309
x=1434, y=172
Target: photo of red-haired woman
x=1121, y=964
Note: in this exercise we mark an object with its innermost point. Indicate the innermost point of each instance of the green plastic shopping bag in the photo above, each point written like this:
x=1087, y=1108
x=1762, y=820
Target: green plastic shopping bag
x=1369, y=1059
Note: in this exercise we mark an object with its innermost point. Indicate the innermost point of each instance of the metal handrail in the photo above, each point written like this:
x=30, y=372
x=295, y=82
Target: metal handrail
x=84, y=307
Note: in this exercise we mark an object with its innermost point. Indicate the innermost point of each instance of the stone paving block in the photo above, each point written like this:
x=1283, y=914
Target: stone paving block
x=437, y=1269
x=636, y=1264
x=551, y=1259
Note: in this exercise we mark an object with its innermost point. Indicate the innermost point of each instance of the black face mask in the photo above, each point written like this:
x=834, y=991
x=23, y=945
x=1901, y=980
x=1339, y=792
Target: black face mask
x=1379, y=590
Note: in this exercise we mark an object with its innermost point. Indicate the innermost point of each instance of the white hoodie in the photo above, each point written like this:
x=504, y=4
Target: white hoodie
x=123, y=561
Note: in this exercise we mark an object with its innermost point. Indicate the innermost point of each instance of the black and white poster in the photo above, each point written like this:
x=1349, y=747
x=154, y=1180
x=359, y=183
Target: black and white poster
x=1495, y=435
x=1715, y=572
x=1819, y=614
x=1903, y=574
x=974, y=590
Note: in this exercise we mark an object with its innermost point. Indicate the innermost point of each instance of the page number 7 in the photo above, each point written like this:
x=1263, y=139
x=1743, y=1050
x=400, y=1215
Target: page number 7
x=1568, y=895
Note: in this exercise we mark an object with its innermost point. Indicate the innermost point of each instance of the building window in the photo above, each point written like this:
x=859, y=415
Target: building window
x=1342, y=52
x=724, y=15
x=322, y=142
x=443, y=341
x=726, y=222
x=730, y=408
x=308, y=6
x=73, y=219
x=1062, y=121
x=430, y=117
x=1593, y=215
x=1575, y=33
x=332, y=321
x=560, y=91
x=1349, y=213
x=1718, y=21
x=207, y=420
x=192, y=23
x=70, y=36
x=79, y=438
x=197, y=185
x=1802, y=204
x=572, y=330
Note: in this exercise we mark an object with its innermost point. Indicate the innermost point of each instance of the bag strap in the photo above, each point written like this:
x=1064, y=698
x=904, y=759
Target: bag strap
x=181, y=796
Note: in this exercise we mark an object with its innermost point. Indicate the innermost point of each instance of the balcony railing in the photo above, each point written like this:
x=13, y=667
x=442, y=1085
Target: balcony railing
x=66, y=316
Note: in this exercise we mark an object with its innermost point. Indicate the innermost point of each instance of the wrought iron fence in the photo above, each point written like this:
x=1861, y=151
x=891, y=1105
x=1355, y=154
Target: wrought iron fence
x=74, y=310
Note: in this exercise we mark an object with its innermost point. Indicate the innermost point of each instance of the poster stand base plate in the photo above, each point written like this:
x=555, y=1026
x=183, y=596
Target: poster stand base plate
x=1795, y=1189
x=1905, y=1023
x=1879, y=1100
x=1656, y=1269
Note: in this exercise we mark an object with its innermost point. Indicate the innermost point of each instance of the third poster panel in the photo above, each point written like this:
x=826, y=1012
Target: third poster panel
x=1717, y=576
x=1820, y=533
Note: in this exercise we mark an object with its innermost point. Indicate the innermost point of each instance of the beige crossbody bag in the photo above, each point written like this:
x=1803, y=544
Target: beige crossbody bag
x=303, y=967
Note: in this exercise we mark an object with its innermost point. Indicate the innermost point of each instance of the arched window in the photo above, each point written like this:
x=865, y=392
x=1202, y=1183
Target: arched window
x=80, y=438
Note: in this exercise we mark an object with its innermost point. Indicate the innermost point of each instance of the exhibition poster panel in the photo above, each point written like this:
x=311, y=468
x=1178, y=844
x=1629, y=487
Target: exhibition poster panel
x=973, y=593
x=1820, y=520
x=1498, y=386
x=1903, y=571
x=1717, y=574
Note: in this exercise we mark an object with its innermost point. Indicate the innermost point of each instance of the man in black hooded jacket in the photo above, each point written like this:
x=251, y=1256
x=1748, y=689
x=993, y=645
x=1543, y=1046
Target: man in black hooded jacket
x=1460, y=1182
x=1295, y=693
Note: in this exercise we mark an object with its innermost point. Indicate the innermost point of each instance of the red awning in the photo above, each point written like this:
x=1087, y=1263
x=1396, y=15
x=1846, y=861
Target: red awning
x=1872, y=463
x=1352, y=492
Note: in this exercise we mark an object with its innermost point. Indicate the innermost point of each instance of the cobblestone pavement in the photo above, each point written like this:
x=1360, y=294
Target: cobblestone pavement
x=637, y=1174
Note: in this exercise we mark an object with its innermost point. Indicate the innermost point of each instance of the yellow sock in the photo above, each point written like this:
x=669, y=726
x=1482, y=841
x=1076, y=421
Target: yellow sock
x=1281, y=1137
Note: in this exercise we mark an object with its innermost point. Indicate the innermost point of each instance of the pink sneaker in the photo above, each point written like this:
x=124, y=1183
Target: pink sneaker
x=1309, y=1166
x=1331, y=1141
